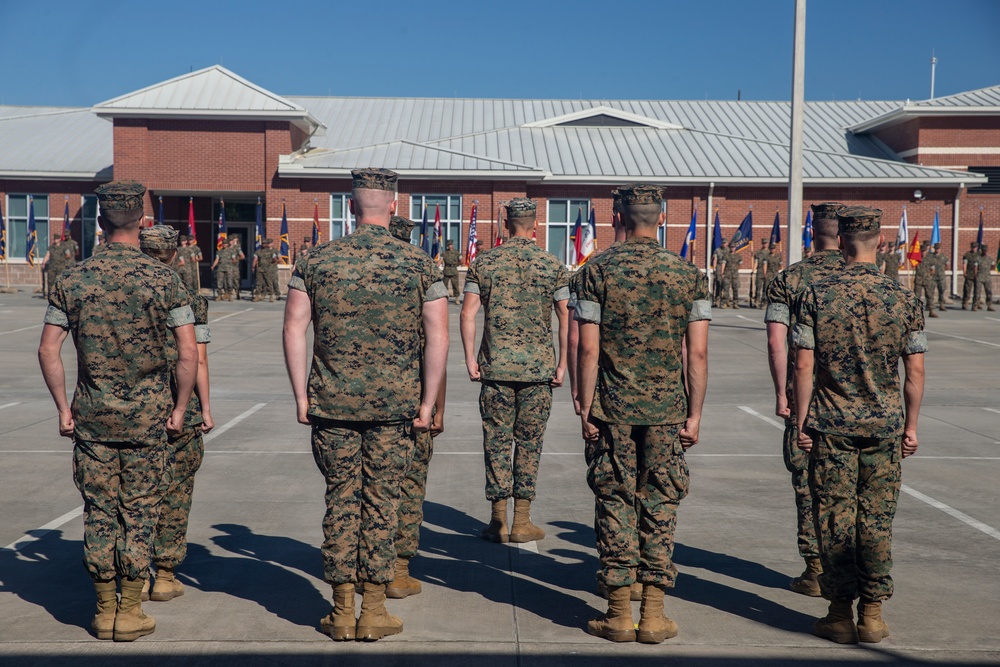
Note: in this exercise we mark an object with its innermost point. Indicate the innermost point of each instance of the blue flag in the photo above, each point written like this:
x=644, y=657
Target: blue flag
x=3, y=238
x=687, y=250
x=261, y=230
x=716, y=234
x=979, y=237
x=30, y=251
x=807, y=231
x=283, y=252
x=936, y=232
x=776, y=229
x=744, y=235
x=159, y=220
x=577, y=236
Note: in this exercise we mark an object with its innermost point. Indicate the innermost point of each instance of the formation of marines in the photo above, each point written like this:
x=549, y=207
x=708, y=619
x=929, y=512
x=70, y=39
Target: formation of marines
x=226, y=266
x=371, y=387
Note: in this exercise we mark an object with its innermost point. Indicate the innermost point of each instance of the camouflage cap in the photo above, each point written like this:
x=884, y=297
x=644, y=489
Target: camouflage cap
x=858, y=219
x=520, y=207
x=640, y=193
x=400, y=227
x=826, y=210
x=374, y=179
x=121, y=195
x=158, y=237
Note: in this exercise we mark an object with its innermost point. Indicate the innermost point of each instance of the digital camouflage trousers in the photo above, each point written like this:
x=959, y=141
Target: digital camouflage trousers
x=797, y=463
x=514, y=418
x=639, y=476
x=363, y=464
x=855, y=486
x=121, y=486
x=185, y=455
x=411, y=496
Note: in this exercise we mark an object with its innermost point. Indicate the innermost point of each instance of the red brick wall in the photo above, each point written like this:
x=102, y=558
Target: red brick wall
x=901, y=137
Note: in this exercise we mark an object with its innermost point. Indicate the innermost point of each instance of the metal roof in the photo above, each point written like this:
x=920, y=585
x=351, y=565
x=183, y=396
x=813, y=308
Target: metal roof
x=982, y=102
x=54, y=142
x=983, y=97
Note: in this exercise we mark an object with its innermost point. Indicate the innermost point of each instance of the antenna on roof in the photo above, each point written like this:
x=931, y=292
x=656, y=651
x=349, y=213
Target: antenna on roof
x=933, y=67
x=739, y=94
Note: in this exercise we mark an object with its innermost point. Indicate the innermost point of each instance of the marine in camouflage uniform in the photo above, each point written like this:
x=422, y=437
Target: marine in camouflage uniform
x=850, y=332
x=731, y=278
x=192, y=259
x=186, y=450
x=265, y=270
x=923, y=279
x=56, y=261
x=451, y=259
x=121, y=307
x=221, y=266
x=517, y=285
x=984, y=278
x=774, y=263
x=759, y=287
x=940, y=285
x=719, y=258
x=782, y=292
x=970, y=261
x=368, y=296
x=637, y=304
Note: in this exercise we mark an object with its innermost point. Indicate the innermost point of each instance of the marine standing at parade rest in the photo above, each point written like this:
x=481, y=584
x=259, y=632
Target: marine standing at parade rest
x=940, y=276
x=640, y=409
x=892, y=262
x=192, y=259
x=221, y=266
x=774, y=263
x=781, y=296
x=719, y=257
x=731, y=278
x=517, y=284
x=234, y=275
x=186, y=449
x=970, y=262
x=265, y=271
x=923, y=278
x=413, y=489
x=368, y=296
x=984, y=278
x=760, y=268
x=850, y=332
x=53, y=264
x=451, y=259
x=120, y=305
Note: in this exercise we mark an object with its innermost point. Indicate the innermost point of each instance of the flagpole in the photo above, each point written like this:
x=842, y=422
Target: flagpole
x=796, y=132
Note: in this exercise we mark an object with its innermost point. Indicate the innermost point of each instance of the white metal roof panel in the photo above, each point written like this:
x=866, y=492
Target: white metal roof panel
x=59, y=142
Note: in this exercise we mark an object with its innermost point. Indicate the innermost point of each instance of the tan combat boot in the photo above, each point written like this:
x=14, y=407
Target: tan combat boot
x=375, y=622
x=635, y=591
x=838, y=624
x=522, y=530
x=807, y=583
x=166, y=587
x=871, y=628
x=654, y=627
x=145, y=589
x=103, y=624
x=616, y=624
x=496, y=531
x=340, y=624
x=402, y=585
x=130, y=622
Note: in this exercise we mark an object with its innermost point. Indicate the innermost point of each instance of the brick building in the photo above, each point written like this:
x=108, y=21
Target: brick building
x=210, y=139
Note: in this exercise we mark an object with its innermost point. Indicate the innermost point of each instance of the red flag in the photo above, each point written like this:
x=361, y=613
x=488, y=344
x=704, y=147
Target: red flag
x=473, y=237
x=499, y=239
x=315, y=238
x=191, y=220
x=915, y=255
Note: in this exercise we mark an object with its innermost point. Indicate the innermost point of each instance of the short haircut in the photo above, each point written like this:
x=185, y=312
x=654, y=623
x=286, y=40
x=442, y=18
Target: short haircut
x=115, y=219
x=521, y=222
x=641, y=215
x=867, y=239
x=372, y=202
x=825, y=228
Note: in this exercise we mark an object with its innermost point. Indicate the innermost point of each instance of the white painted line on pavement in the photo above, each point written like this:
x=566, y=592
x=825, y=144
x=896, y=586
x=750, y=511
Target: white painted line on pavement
x=4, y=333
x=41, y=531
x=772, y=422
x=750, y=319
x=239, y=312
x=961, y=516
x=971, y=340
x=992, y=410
x=991, y=318
x=527, y=546
x=9, y=405
x=233, y=422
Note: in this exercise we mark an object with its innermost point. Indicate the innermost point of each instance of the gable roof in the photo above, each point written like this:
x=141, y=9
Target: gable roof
x=981, y=102
x=54, y=143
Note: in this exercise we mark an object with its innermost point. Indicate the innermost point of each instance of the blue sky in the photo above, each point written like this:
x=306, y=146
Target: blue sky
x=81, y=52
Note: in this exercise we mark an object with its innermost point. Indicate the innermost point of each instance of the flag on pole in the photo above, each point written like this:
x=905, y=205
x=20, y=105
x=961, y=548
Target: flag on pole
x=3, y=238
x=261, y=229
x=283, y=253
x=315, y=238
x=499, y=239
x=979, y=236
x=687, y=250
x=776, y=230
x=578, y=237
x=902, y=238
x=744, y=234
x=915, y=255
x=65, y=229
x=159, y=220
x=807, y=231
x=470, y=253
x=716, y=234
x=30, y=251
x=997, y=265
x=936, y=232
x=436, y=242
x=425, y=241
x=220, y=240
x=191, y=220
x=589, y=245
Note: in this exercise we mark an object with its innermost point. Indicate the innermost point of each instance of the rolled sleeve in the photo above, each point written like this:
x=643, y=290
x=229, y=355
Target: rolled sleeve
x=803, y=336
x=588, y=311
x=57, y=317
x=296, y=283
x=436, y=291
x=178, y=317
x=700, y=310
x=561, y=294
x=471, y=288
x=202, y=334
x=916, y=343
x=778, y=312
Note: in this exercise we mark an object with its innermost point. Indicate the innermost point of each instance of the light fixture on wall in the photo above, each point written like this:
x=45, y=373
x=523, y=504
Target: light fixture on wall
x=918, y=195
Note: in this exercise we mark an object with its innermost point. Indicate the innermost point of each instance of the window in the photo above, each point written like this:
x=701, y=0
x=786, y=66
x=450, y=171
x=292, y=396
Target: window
x=89, y=215
x=17, y=226
x=341, y=220
x=562, y=215
x=450, y=207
